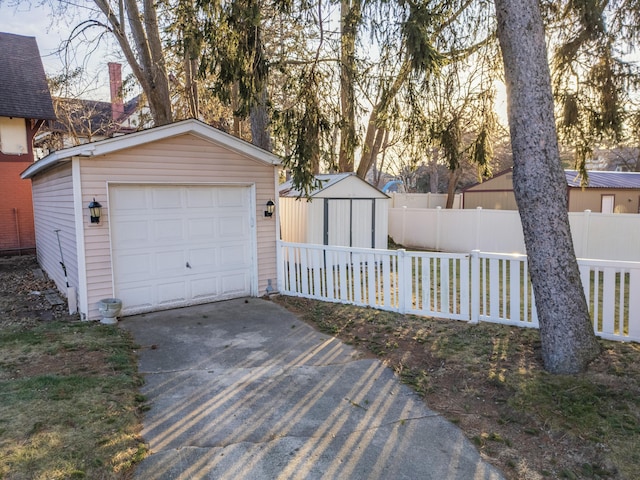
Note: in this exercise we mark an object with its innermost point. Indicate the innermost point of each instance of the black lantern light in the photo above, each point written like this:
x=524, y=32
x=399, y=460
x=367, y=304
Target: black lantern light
x=270, y=208
x=95, y=209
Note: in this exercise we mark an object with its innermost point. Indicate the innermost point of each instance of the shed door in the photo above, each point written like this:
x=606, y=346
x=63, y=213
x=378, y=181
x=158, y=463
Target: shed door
x=349, y=222
x=180, y=245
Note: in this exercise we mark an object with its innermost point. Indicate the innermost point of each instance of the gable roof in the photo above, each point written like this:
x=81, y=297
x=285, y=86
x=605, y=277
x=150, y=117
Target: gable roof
x=91, y=116
x=327, y=180
x=24, y=92
x=604, y=179
x=136, y=139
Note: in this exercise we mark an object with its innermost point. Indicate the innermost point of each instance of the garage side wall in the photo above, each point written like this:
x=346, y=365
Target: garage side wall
x=54, y=210
x=186, y=159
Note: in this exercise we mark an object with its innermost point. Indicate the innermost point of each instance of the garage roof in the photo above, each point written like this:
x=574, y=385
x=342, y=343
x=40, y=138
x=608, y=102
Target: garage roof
x=110, y=145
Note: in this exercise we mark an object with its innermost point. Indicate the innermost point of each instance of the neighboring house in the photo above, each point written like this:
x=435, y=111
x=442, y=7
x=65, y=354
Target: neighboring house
x=182, y=218
x=25, y=104
x=606, y=192
x=344, y=211
x=82, y=121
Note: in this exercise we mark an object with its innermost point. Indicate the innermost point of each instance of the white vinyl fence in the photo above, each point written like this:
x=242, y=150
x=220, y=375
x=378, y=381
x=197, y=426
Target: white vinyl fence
x=595, y=235
x=475, y=287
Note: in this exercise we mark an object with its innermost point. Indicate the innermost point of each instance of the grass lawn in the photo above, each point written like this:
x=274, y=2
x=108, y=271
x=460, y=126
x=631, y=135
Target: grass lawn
x=69, y=406
x=488, y=379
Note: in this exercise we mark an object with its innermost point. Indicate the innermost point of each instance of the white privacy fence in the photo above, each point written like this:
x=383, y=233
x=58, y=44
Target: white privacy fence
x=595, y=235
x=475, y=287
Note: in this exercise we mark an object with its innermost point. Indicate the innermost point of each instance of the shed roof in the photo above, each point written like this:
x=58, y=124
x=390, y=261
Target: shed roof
x=136, y=139
x=24, y=92
x=328, y=181
x=604, y=179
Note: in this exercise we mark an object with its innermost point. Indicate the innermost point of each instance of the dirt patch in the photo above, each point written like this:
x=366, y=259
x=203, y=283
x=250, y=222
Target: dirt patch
x=24, y=289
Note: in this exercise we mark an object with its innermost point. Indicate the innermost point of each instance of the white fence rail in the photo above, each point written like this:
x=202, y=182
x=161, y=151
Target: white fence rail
x=595, y=235
x=476, y=287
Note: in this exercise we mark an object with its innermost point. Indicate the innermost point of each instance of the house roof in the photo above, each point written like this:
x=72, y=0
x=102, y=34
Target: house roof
x=136, y=139
x=604, y=179
x=91, y=116
x=327, y=181
x=24, y=92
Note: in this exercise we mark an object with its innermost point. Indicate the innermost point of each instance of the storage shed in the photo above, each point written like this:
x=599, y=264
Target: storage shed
x=182, y=218
x=605, y=192
x=344, y=211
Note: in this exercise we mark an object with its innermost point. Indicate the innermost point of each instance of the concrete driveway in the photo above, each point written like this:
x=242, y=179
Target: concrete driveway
x=243, y=389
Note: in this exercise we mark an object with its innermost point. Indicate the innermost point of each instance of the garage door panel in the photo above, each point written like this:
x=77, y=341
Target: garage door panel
x=203, y=258
x=171, y=292
x=201, y=229
x=205, y=288
x=233, y=255
x=201, y=198
x=232, y=227
x=135, y=265
x=168, y=231
x=166, y=198
x=132, y=231
x=129, y=201
x=169, y=262
x=208, y=227
x=232, y=197
x=234, y=283
x=136, y=297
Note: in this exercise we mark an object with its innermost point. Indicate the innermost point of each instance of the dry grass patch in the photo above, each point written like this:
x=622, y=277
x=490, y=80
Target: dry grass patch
x=69, y=406
x=488, y=379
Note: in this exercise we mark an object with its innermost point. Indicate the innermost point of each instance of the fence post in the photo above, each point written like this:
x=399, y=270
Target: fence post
x=474, y=285
x=585, y=234
x=402, y=280
x=477, y=227
x=438, y=226
x=280, y=283
x=404, y=221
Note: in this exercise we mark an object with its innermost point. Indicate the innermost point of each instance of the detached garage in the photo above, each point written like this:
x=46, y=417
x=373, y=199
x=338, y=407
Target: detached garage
x=182, y=219
x=344, y=211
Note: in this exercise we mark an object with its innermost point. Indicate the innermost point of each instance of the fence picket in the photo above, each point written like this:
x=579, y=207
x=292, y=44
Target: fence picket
x=608, y=301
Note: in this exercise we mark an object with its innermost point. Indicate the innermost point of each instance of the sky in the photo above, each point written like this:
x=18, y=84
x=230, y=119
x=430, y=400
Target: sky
x=26, y=18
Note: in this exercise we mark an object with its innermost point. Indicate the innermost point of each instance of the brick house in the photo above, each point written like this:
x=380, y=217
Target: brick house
x=25, y=104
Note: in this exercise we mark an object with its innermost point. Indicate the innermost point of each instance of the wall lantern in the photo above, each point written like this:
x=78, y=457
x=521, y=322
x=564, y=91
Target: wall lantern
x=95, y=209
x=270, y=208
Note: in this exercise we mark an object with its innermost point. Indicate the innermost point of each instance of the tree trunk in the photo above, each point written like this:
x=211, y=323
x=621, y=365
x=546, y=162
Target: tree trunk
x=145, y=56
x=259, y=117
x=350, y=18
x=568, y=340
x=454, y=178
x=374, y=134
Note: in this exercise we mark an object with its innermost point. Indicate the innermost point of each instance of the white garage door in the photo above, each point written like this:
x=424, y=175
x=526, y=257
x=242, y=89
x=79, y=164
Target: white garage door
x=180, y=245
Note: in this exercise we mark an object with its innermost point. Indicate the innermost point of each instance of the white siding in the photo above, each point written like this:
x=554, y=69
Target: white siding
x=293, y=219
x=382, y=223
x=180, y=160
x=54, y=210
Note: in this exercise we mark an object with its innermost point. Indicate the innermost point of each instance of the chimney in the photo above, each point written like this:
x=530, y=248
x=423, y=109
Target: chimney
x=115, y=84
